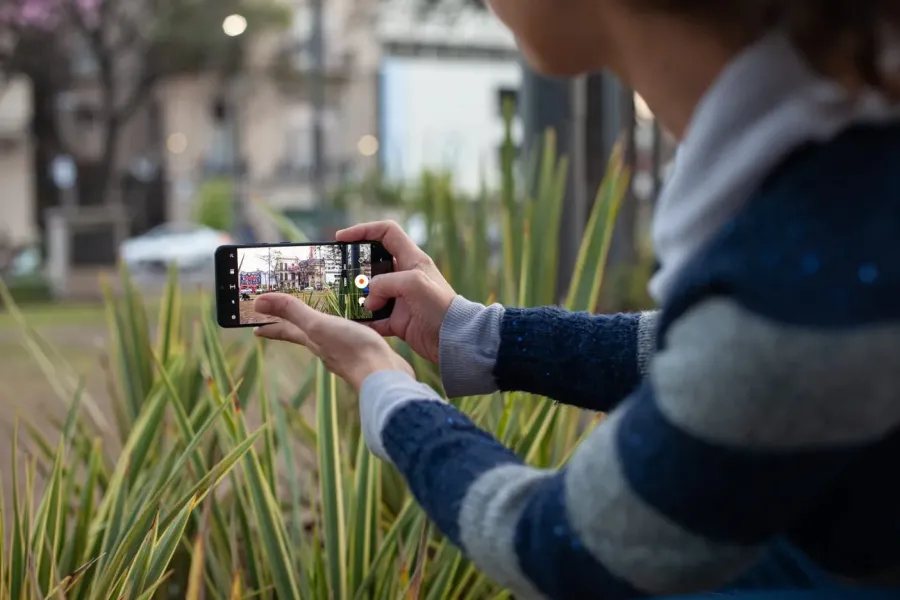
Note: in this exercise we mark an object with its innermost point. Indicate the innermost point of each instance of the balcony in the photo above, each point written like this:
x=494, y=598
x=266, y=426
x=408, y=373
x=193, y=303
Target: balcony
x=15, y=111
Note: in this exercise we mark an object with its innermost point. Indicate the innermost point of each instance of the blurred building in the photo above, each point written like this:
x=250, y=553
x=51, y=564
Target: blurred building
x=271, y=106
x=403, y=91
x=444, y=79
x=17, y=225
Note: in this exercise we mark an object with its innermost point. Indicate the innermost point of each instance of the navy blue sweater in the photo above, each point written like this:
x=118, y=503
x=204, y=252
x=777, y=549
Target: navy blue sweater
x=762, y=404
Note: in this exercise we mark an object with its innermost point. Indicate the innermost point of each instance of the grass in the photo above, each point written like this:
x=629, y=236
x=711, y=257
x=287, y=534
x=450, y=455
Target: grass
x=57, y=314
x=66, y=314
x=331, y=302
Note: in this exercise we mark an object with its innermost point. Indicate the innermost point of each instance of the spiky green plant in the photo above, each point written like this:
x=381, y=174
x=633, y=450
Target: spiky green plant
x=90, y=520
x=375, y=542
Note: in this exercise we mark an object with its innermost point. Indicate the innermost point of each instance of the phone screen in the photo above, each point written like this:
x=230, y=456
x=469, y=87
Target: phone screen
x=331, y=278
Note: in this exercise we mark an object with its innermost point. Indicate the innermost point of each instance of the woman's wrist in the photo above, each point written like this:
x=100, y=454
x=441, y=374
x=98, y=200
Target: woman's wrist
x=372, y=362
x=468, y=343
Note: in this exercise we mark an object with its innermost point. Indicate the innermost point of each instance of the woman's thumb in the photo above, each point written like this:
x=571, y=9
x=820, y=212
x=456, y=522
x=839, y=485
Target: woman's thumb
x=284, y=307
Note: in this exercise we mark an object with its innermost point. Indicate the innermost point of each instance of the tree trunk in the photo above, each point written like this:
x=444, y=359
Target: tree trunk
x=47, y=144
x=111, y=128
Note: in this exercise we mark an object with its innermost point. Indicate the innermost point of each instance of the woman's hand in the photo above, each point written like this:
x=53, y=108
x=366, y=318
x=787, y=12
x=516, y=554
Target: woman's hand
x=422, y=294
x=349, y=350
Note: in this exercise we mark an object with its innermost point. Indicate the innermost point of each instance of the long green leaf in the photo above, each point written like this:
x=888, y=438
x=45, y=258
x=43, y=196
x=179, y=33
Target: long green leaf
x=331, y=485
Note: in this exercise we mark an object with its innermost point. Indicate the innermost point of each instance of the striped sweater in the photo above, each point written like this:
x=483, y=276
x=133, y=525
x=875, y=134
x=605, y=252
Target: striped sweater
x=758, y=410
x=752, y=421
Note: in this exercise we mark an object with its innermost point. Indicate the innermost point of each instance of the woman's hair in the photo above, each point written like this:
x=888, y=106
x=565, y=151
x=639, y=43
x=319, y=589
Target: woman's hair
x=842, y=39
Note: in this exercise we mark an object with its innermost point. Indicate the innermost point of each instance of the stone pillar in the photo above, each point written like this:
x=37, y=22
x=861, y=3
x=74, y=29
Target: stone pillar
x=59, y=250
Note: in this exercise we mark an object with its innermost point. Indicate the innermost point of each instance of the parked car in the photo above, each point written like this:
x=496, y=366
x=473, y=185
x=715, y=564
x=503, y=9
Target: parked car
x=187, y=246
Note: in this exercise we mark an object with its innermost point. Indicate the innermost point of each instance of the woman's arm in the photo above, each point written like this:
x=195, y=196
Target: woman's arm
x=681, y=489
x=591, y=361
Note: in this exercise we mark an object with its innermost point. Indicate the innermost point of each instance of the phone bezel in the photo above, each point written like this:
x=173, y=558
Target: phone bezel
x=224, y=279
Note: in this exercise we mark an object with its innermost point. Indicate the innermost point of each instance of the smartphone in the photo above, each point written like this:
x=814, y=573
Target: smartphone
x=331, y=277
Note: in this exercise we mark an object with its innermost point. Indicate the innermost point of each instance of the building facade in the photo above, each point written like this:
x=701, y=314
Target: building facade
x=444, y=79
x=17, y=225
x=319, y=269
x=270, y=138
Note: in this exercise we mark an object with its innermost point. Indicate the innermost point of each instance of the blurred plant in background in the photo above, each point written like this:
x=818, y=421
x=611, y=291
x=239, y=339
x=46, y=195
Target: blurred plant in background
x=215, y=204
x=187, y=502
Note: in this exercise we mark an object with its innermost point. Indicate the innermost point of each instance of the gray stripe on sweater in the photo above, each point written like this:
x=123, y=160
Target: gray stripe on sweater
x=488, y=518
x=646, y=339
x=629, y=537
x=469, y=343
x=382, y=393
x=731, y=377
x=633, y=540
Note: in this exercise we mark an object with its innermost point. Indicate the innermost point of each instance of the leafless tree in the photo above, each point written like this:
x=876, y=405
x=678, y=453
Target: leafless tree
x=125, y=48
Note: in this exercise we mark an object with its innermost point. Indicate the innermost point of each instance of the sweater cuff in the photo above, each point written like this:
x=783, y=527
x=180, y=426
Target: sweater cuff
x=648, y=323
x=381, y=394
x=469, y=342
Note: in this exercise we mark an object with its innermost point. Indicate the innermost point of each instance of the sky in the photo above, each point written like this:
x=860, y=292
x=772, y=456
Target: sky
x=254, y=258
x=251, y=259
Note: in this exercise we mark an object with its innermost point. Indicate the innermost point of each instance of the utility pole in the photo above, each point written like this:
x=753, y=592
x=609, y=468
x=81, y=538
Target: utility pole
x=559, y=105
x=611, y=118
x=317, y=52
x=589, y=115
x=234, y=27
x=241, y=226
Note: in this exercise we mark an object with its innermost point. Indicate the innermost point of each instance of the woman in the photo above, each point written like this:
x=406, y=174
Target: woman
x=757, y=412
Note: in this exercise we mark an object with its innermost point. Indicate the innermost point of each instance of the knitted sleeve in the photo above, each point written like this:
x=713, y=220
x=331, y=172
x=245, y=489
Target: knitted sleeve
x=683, y=488
x=591, y=361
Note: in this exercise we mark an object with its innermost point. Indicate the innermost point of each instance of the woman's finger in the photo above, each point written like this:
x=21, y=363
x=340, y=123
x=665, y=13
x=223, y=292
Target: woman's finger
x=284, y=331
x=391, y=236
x=382, y=328
x=383, y=288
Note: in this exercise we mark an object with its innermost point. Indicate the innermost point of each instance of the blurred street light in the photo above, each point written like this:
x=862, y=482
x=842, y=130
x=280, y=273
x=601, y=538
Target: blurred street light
x=177, y=143
x=234, y=25
x=367, y=145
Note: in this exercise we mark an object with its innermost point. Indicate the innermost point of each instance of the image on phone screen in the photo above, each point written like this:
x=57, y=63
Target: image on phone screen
x=331, y=278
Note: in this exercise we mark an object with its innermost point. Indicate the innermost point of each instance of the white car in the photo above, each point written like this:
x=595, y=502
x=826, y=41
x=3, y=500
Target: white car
x=186, y=246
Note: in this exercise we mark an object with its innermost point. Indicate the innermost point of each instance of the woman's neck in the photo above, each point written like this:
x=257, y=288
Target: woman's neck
x=670, y=63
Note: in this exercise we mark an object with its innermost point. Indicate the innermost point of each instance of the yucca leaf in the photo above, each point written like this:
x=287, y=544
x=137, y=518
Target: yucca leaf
x=267, y=456
x=331, y=484
x=584, y=288
x=170, y=315
x=268, y=518
x=408, y=518
x=154, y=587
x=255, y=558
x=18, y=544
x=442, y=588
x=71, y=580
x=167, y=543
x=45, y=542
x=77, y=551
x=285, y=444
x=140, y=567
x=364, y=515
x=52, y=364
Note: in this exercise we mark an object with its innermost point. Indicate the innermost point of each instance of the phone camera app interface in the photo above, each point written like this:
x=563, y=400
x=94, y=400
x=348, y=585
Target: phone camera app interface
x=331, y=278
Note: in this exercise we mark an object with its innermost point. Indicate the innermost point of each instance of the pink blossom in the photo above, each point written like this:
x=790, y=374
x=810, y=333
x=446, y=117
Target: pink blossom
x=42, y=13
